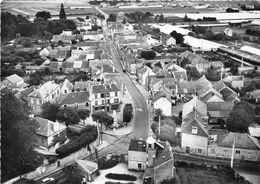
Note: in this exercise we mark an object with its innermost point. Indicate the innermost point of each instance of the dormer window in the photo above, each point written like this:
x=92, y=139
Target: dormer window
x=194, y=129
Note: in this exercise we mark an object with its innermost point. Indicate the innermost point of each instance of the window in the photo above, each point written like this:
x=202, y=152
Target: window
x=52, y=96
x=102, y=95
x=86, y=104
x=199, y=150
x=58, y=92
x=95, y=96
x=108, y=95
x=116, y=93
x=34, y=101
x=103, y=102
x=194, y=130
x=108, y=101
x=237, y=152
x=65, y=91
x=96, y=103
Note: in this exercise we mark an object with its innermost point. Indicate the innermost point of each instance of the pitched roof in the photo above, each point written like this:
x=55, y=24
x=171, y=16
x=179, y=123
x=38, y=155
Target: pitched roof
x=186, y=87
x=243, y=141
x=163, y=156
x=88, y=166
x=255, y=93
x=195, y=120
x=219, y=86
x=81, y=85
x=254, y=131
x=193, y=58
x=14, y=79
x=161, y=94
x=202, y=82
x=105, y=88
x=180, y=75
x=27, y=91
x=137, y=145
x=75, y=98
x=44, y=90
x=46, y=127
x=109, y=69
x=195, y=103
x=87, y=44
x=220, y=106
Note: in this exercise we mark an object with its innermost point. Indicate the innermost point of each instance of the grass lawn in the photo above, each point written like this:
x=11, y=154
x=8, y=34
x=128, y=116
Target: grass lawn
x=203, y=176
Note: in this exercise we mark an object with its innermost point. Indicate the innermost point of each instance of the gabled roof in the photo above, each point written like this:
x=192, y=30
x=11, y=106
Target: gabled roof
x=186, y=87
x=163, y=156
x=75, y=98
x=14, y=79
x=44, y=90
x=67, y=84
x=227, y=92
x=159, y=95
x=202, y=82
x=220, y=106
x=88, y=166
x=104, y=88
x=87, y=44
x=109, y=69
x=219, y=86
x=243, y=141
x=195, y=103
x=180, y=75
x=195, y=120
x=27, y=91
x=137, y=145
x=46, y=127
x=193, y=58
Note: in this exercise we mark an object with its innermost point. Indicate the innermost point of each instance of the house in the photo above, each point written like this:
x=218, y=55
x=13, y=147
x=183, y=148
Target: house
x=208, y=94
x=66, y=87
x=171, y=42
x=88, y=45
x=78, y=100
x=48, y=92
x=163, y=102
x=196, y=61
x=13, y=80
x=227, y=93
x=84, y=85
x=246, y=147
x=194, y=133
x=24, y=94
x=105, y=97
x=90, y=169
x=180, y=75
x=255, y=95
x=254, y=131
x=185, y=89
x=237, y=82
x=194, y=104
x=219, y=110
x=143, y=75
x=152, y=41
x=47, y=131
x=137, y=155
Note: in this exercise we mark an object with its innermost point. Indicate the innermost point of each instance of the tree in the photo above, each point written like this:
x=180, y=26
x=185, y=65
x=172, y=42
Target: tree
x=111, y=18
x=43, y=14
x=168, y=181
x=193, y=73
x=35, y=79
x=103, y=117
x=49, y=110
x=83, y=113
x=18, y=135
x=62, y=12
x=127, y=113
x=69, y=116
x=238, y=121
x=148, y=55
x=178, y=37
x=157, y=113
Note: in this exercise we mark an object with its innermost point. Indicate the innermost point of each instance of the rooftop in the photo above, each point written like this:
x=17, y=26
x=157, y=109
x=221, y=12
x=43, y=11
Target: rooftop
x=137, y=145
x=75, y=98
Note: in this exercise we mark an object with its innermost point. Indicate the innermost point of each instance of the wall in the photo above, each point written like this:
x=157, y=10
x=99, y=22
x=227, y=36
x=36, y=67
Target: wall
x=164, y=105
x=163, y=172
x=195, y=142
x=135, y=157
x=252, y=155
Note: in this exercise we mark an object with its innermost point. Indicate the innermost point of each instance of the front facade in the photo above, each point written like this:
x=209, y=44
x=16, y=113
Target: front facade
x=105, y=97
x=137, y=156
x=78, y=100
x=48, y=92
x=165, y=105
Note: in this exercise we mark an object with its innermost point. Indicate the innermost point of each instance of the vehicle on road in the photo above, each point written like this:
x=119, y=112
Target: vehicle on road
x=48, y=180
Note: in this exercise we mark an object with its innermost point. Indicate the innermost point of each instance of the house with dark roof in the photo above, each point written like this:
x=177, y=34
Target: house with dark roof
x=137, y=156
x=160, y=165
x=90, y=168
x=24, y=94
x=246, y=147
x=78, y=100
x=194, y=133
x=106, y=97
x=227, y=93
x=47, y=130
x=196, y=61
x=219, y=110
x=143, y=75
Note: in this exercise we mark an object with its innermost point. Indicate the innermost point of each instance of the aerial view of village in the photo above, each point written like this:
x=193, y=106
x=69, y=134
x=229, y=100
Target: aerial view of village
x=130, y=92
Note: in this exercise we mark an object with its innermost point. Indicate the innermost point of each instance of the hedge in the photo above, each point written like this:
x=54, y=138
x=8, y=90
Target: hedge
x=107, y=163
x=125, y=177
x=89, y=135
x=127, y=113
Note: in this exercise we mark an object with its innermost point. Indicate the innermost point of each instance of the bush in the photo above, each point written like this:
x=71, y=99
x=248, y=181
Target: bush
x=106, y=162
x=103, y=118
x=125, y=177
x=127, y=113
x=76, y=144
x=148, y=55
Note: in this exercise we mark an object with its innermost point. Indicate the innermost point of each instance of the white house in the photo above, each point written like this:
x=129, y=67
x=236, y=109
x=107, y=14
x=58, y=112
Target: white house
x=194, y=134
x=66, y=87
x=143, y=75
x=163, y=102
x=137, y=155
x=235, y=81
x=152, y=41
x=105, y=97
x=48, y=92
x=47, y=131
x=13, y=80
